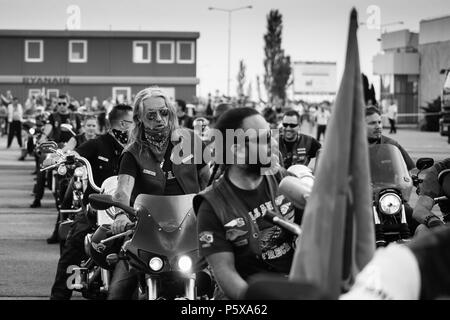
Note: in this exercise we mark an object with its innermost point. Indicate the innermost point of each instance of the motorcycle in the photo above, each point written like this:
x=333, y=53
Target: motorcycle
x=391, y=187
x=90, y=278
x=163, y=246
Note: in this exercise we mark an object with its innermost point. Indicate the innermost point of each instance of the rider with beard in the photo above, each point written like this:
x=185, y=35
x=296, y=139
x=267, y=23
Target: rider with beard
x=146, y=167
x=374, y=135
x=236, y=240
x=103, y=153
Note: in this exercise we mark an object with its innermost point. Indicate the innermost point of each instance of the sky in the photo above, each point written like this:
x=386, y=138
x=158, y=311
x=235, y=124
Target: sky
x=313, y=30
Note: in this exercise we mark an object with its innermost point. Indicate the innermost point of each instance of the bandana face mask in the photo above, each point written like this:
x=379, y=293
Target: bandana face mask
x=156, y=140
x=121, y=136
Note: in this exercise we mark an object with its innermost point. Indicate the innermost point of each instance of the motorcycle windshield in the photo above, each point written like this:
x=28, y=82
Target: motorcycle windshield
x=388, y=169
x=166, y=224
x=167, y=211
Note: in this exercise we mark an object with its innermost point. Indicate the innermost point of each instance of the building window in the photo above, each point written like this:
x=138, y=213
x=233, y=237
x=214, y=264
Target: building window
x=34, y=92
x=185, y=52
x=142, y=51
x=52, y=93
x=34, y=50
x=165, y=52
x=77, y=51
x=121, y=94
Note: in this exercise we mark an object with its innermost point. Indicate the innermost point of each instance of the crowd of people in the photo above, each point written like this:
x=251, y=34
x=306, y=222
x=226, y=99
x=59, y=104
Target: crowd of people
x=136, y=140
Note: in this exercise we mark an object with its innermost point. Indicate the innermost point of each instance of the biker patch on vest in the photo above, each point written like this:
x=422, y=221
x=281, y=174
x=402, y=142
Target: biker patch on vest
x=233, y=234
x=301, y=153
x=152, y=173
x=207, y=238
x=238, y=222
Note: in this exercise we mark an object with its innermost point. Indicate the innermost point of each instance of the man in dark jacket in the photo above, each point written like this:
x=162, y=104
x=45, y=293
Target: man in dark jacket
x=295, y=147
x=103, y=153
x=375, y=136
x=236, y=240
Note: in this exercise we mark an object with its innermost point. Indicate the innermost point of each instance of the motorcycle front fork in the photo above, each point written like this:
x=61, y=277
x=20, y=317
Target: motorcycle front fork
x=152, y=287
x=85, y=277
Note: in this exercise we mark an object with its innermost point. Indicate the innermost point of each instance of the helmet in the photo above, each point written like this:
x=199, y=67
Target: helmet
x=99, y=251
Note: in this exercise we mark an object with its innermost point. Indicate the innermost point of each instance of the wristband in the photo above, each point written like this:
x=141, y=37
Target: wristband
x=428, y=218
x=119, y=214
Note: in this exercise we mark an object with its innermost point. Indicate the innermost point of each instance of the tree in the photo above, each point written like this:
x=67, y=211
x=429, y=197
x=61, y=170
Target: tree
x=249, y=91
x=276, y=64
x=241, y=79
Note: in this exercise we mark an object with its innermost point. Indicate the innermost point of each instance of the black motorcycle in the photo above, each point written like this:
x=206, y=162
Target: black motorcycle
x=163, y=247
x=392, y=186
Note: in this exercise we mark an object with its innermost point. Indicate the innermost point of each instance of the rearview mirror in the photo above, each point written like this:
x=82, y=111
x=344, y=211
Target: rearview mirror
x=424, y=163
x=48, y=145
x=68, y=128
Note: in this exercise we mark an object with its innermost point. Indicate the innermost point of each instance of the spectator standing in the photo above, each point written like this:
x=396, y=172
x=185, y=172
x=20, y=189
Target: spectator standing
x=3, y=120
x=322, y=118
x=15, y=118
x=392, y=113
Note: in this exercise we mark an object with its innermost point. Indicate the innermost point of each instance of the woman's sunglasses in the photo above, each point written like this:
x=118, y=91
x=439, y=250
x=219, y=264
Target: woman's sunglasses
x=153, y=115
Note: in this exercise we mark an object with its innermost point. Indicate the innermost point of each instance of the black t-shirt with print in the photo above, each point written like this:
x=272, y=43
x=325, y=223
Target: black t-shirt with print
x=276, y=244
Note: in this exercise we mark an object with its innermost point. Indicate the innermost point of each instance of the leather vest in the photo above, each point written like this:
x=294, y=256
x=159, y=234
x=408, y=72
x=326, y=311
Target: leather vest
x=228, y=207
x=151, y=172
x=299, y=152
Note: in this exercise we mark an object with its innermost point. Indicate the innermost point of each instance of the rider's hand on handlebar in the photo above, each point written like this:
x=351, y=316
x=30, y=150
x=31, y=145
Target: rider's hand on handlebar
x=435, y=223
x=50, y=160
x=119, y=224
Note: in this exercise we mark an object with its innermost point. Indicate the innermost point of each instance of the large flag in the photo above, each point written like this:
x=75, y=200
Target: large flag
x=338, y=237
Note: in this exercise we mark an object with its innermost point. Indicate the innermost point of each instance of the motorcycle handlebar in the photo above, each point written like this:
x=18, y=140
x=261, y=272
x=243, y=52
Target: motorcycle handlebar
x=89, y=173
x=439, y=199
x=83, y=160
x=128, y=230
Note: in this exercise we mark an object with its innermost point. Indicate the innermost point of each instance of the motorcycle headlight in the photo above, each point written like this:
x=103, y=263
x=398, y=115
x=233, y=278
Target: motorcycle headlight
x=185, y=263
x=32, y=131
x=79, y=172
x=62, y=170
x=155, y=264
x=390, y=203
x=78, y=185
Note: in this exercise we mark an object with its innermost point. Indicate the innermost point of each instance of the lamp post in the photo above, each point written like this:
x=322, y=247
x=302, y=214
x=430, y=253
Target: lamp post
x=230, y=11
